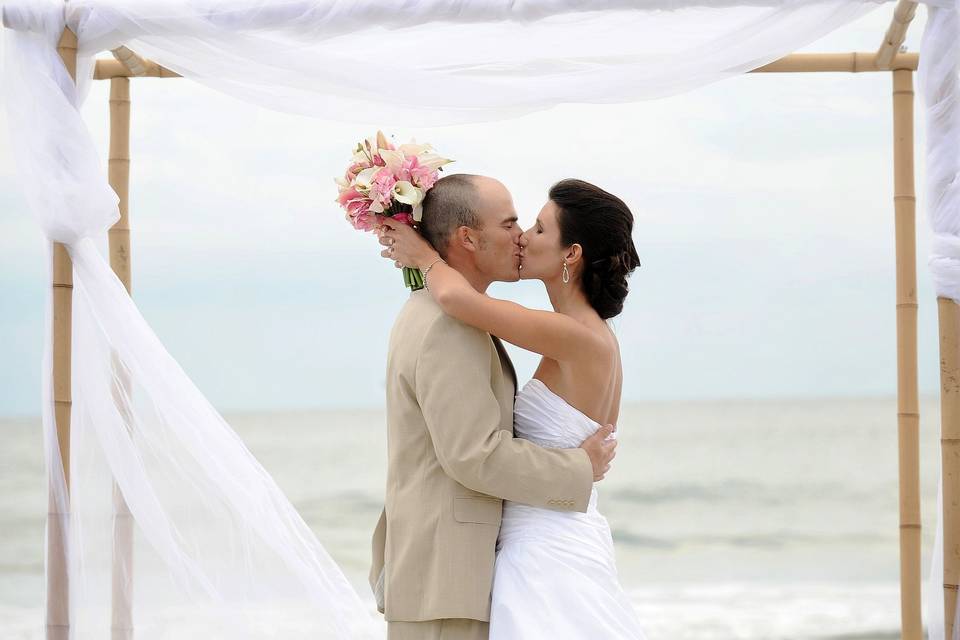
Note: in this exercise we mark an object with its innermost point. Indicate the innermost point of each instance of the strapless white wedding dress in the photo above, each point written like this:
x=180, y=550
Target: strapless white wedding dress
x=555, y=575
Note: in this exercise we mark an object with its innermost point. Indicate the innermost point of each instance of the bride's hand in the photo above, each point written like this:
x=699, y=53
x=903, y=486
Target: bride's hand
x=405, y=246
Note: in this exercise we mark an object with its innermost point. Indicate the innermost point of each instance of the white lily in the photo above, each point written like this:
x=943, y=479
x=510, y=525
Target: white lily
x=365, y=178
x=406, y=193
x=343, y=183
x=433, y=161
x=414, y=149
x=393, y=159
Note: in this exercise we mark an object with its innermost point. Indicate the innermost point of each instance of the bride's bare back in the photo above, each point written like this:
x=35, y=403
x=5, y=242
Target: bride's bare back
x=591, y=381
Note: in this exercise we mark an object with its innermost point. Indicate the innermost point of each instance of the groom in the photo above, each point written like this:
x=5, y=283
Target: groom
x=451, y=454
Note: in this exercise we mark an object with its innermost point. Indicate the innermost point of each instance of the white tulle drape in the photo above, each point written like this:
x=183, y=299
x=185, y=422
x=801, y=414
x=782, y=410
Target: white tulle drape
x=939, y=84
x=221, y=552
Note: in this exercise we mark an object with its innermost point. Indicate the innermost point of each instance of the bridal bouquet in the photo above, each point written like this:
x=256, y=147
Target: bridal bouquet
x=391, y=181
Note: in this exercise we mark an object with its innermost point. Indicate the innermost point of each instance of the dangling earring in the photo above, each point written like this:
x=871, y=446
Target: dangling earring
x=566, y=274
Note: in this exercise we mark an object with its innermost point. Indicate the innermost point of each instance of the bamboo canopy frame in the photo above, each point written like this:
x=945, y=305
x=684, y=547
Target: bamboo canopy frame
x=901, y=65
x=950, y=453
x=896, y=33
x=118, y=172
x=58, y=516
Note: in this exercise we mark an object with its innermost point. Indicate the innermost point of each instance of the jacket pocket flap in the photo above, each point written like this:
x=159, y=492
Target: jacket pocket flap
x=478, y=510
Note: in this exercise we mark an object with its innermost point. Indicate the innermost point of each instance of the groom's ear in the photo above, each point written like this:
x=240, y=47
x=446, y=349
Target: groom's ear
x=464, y=237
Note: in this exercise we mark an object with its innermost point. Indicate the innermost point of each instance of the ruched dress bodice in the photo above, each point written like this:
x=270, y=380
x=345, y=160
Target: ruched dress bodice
x=543, y=417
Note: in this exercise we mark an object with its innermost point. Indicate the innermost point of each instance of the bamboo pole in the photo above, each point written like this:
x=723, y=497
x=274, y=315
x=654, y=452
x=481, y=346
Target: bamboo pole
x=119, y=176
x=836, y=62
x=58, y=579
x=136, y=64
x=950, y=452
x=119, y=235
x=857, y=62
x=108, y=69
x=908, y=416
x=896, y=32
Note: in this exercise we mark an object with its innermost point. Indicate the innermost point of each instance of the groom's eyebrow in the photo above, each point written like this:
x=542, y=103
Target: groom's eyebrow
x=511, y=219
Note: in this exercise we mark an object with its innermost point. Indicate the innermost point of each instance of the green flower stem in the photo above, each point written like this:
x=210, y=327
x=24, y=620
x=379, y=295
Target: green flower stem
x=412, y=279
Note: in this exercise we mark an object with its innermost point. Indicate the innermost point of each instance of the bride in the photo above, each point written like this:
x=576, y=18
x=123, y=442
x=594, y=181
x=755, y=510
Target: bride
x=555, y=574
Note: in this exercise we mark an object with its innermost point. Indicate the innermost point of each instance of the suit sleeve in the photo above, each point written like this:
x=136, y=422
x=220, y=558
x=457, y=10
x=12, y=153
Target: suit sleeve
x=462, y=414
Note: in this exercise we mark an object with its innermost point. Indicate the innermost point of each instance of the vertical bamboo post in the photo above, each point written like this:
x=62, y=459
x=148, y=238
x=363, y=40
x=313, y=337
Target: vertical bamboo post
x=58, y=581
x=119, y=234
x=908, y=417
x=119, y=175
x=950, y=452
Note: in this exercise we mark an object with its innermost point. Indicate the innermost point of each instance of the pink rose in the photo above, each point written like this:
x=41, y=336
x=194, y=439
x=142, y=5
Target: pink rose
x=365, y=222
x=349, y=195
x=357, y=207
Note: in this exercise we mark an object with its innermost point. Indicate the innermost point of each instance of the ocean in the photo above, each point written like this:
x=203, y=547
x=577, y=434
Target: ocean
x=739, y=519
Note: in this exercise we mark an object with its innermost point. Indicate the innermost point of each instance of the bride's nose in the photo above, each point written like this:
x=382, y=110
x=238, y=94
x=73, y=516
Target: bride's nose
x=523, y=240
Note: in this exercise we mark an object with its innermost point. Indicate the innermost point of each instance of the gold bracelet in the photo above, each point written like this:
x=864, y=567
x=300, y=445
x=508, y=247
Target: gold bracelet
x=427, y=270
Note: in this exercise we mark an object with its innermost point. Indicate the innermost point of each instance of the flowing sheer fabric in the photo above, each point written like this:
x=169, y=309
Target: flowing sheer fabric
x=939, y=80
x=220, y=552
x=458, y=61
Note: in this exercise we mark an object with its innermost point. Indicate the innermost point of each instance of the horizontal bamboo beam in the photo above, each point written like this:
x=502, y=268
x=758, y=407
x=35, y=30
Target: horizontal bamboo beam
x=793, y=63
x=837, y=62
x=133, y=62
x=108, y=69
x=896, y=32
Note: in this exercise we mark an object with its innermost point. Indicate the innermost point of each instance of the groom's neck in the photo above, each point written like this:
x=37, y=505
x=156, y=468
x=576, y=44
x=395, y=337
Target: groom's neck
x=477, y=280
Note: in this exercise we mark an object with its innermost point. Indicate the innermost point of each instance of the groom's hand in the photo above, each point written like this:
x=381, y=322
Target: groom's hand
x=600, y=450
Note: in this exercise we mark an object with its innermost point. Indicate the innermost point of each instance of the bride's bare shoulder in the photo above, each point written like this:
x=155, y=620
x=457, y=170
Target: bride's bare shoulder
x=605, y=349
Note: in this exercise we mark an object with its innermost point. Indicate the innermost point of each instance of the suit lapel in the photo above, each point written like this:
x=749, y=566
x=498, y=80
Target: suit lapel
x=504, y=357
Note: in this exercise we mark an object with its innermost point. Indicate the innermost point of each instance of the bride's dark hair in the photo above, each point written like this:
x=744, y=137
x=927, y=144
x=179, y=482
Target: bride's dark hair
x=602, y=225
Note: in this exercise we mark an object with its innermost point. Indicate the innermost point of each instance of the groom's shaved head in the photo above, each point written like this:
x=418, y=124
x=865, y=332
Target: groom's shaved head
x=449, y=205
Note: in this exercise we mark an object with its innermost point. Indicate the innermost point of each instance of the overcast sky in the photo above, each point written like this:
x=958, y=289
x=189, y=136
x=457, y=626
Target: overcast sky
x=764, y=224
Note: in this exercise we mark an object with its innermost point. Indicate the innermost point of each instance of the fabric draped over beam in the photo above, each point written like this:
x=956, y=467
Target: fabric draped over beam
x=939, y=87
x=225, y=550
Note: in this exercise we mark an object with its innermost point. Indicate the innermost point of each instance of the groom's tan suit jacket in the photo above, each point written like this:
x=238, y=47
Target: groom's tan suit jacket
x=451, y=460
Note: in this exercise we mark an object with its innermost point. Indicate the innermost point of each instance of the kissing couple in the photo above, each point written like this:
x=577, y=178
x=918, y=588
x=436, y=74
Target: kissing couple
x=490, y=527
